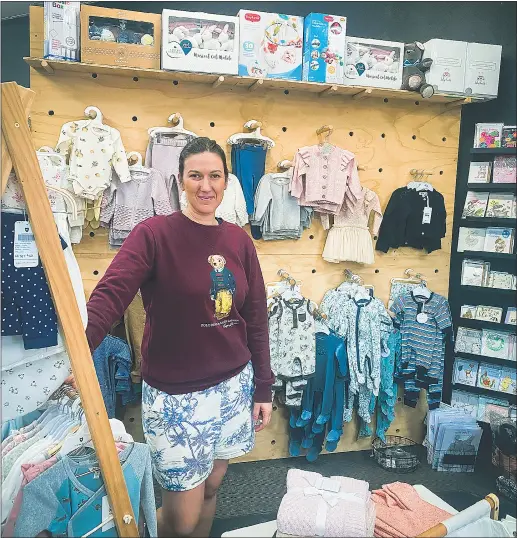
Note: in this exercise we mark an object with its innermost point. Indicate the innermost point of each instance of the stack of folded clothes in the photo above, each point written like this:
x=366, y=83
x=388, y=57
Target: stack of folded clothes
x=319, y=506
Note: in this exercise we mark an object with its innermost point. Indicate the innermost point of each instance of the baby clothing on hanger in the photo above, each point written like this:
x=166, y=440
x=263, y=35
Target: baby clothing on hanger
x=405, y=224
x=92, y=149
x=350, y=239
x=163, y=154
x=124, y=205
x=277, y=213
x=232, y=208
x=325, y=180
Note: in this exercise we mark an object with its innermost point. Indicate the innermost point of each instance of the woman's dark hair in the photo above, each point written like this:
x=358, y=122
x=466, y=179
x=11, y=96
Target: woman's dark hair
x=201, y=144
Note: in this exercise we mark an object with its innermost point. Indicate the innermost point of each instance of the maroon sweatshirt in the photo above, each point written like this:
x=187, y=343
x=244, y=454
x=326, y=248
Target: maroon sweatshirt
x=205, y=301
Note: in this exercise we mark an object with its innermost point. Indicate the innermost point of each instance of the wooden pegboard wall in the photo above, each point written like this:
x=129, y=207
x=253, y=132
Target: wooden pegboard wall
x=388, y=136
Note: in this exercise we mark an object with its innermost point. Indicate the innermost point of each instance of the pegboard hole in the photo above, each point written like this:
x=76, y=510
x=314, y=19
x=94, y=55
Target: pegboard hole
x=286, y=92
x=311, y=237
x=96, y=272
x=284, y=129
x=135, y=79
x=50, y=112
x=444, y=139
x=134, y=118
x=436, y=270
x=399, y=399
x=385, y=99
x=397, y=430
x=375, y=237
x=414, y=137
x=273, y=442
x=92, y=234
x=441, y=172
x=132, y=419
x=175, y=82
x=380, y=169
x=383, y=135
x=377, y=271
x=275, y=408
x=212, y=124
x=417, y=103
x=94, y=75
x=313, y=271
x=351, y=133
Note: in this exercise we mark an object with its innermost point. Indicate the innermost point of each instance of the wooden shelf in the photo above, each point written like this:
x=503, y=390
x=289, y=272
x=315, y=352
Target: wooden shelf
x=492, y=187
x=484, y=222
x=486, y=392
x=481, y=324
x=49, y=67
x=482, y=255
x=494, y=151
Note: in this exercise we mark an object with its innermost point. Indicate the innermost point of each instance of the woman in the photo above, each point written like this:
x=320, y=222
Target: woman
x=206, y=367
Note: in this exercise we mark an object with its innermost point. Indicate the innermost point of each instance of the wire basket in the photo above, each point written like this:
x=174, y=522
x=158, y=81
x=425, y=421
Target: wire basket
x=398, y=454
x=506, y=465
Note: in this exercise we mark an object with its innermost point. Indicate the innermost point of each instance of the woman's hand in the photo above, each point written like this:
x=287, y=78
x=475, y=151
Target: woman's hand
x=70, y=380
x=262, y=415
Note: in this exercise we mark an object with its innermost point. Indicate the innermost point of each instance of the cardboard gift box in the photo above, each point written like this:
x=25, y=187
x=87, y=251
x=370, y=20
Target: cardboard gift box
x=482, y=69
x=373, y=63
x=447, y=73
x=120, y=37
x=324, y=45
x=199, y=42
x=271, y=45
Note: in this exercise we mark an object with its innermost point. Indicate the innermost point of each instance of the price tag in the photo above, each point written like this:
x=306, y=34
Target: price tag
x=426, y=217
x=107, y=513
x=25, y=249
x=422, y=317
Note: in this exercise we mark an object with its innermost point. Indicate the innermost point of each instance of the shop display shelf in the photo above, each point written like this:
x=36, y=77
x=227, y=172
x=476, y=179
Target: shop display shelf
x=474, y=290
x=485, y=222
x=493, y=151
x=482, y=255
x=489, y=360
x=512, y=398
x=50, y=67
x=482, y=324
x=492, y=187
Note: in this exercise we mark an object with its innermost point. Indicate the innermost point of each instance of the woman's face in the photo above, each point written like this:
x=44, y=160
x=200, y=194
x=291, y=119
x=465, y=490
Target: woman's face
x=204, y=182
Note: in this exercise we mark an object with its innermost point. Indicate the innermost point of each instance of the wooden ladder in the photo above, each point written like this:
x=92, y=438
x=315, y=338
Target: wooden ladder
x=18, y=153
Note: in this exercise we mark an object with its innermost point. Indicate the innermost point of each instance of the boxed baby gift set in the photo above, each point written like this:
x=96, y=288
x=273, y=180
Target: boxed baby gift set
x=373, y=63
x=324, y=44
x=202, y=42
x=270, y=45
x=62, y=31
x=482, y=69
x=447, y=72
x=119, y=37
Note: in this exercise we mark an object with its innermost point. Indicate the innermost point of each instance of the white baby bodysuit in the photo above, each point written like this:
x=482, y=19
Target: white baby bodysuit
x=92, y=149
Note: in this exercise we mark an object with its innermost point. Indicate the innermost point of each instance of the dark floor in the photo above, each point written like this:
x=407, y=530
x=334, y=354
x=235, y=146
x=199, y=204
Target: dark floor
x=251, y=492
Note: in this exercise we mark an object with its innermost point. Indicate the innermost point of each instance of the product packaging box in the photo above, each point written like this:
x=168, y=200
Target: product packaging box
x=373, y=63
x=447, y=73
x=271, y=45
x=119, y=37
x=199, y=42
x=62, y=30
x=482, y=69
x=324, y=44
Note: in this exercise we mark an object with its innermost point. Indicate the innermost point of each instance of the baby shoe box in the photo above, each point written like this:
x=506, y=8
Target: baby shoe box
x=324, y=48
x=447, y=73
x=62, y=30
x=482, y=69
x=199, y=42
x=373, y=63
x=271, y=45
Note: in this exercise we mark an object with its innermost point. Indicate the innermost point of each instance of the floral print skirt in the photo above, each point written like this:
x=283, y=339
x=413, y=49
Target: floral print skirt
x=187, y=432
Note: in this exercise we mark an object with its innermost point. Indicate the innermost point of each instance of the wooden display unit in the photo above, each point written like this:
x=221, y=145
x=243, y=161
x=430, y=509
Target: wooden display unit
x=390, y=131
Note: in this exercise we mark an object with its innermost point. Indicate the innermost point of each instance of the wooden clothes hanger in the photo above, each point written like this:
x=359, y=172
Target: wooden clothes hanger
x=176, y=120
x=137, y=165
x=323, y=134
x=285, y=164
x=254, y=134
x=417, y=184
x=94, y=114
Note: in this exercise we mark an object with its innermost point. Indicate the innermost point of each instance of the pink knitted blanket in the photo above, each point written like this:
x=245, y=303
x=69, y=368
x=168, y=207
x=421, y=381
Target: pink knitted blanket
x=319, y=506
x=401, y=513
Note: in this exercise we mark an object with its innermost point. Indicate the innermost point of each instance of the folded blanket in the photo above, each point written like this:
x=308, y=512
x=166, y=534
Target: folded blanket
x=401, y=512
x=319, y=506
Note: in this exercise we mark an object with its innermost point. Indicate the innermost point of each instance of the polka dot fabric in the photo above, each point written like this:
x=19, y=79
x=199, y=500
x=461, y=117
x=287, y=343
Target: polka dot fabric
x=27, y=306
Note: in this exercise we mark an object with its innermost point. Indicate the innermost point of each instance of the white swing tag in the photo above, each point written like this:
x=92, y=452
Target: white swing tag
x=422, y=317
x=426, y=217
x=106, y=513
x=25, y=249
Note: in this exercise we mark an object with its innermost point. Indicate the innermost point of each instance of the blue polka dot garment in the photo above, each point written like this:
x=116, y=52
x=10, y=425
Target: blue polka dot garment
x=27, y=307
